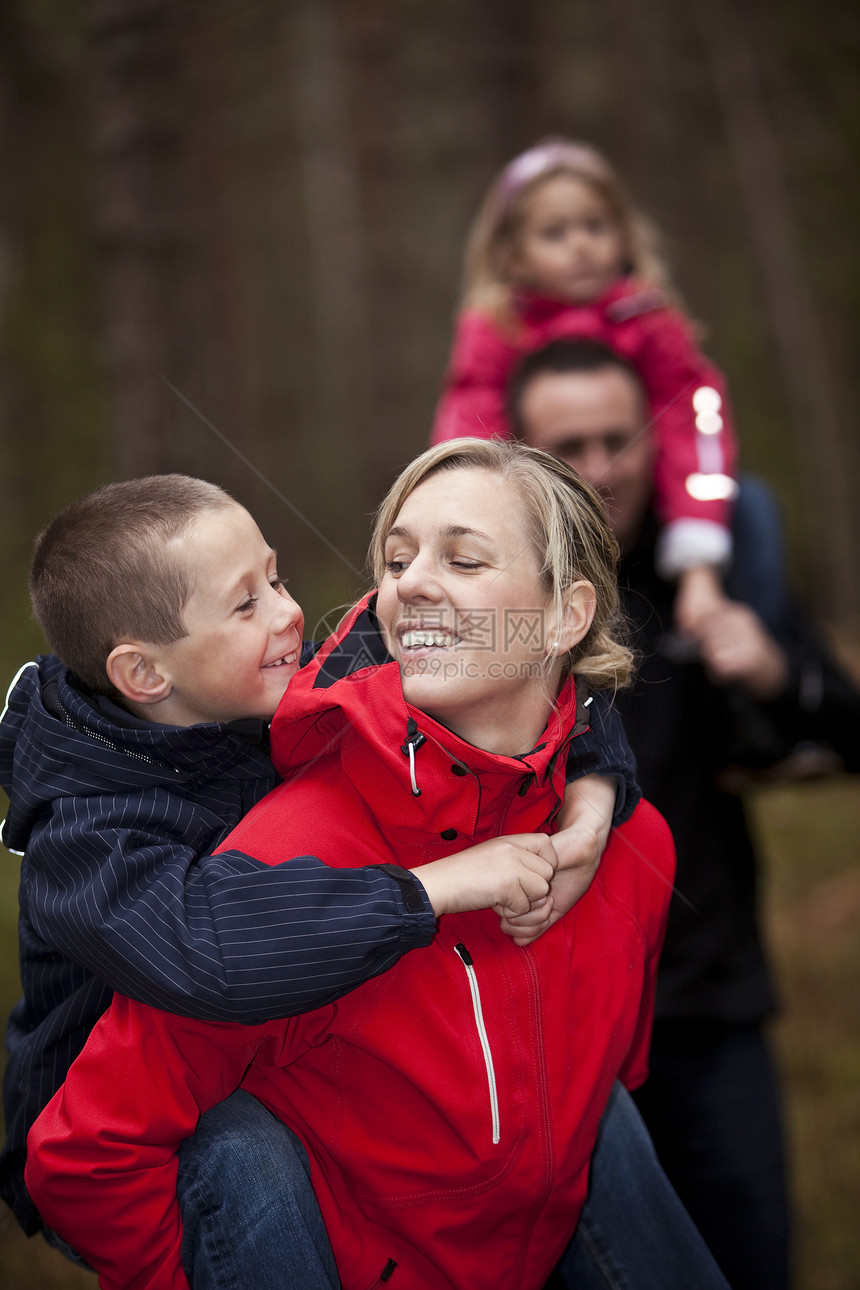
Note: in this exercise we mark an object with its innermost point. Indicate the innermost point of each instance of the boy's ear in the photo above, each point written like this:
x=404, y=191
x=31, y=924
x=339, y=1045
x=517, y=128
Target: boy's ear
x=131, y=670
x=580, y=603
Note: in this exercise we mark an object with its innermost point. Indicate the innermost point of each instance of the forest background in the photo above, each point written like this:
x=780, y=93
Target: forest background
x=230, y=244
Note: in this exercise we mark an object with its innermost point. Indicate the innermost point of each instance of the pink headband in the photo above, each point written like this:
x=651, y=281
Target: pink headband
x=545, y=157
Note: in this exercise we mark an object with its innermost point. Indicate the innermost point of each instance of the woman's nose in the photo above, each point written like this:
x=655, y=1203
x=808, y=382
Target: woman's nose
x=419, y=581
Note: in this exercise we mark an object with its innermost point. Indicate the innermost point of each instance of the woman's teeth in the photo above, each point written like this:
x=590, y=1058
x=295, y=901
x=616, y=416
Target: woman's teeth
x=418, y=639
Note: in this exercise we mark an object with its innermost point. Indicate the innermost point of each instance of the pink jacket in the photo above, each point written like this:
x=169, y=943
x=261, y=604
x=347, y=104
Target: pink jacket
x=450, y=1105
x=635, y=322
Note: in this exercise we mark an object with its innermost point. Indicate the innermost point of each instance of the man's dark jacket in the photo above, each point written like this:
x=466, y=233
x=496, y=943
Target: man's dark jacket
x=685, y=731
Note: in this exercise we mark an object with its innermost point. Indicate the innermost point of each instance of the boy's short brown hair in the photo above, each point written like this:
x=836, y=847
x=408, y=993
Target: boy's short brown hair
x=103, y=569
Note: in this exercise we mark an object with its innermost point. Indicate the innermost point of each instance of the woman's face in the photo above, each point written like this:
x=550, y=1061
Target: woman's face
x=463, y=610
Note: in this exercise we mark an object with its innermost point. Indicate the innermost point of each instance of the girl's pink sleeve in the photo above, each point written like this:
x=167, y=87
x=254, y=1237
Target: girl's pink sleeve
x=691, y=444
x=472, y=403
x=102, y=1157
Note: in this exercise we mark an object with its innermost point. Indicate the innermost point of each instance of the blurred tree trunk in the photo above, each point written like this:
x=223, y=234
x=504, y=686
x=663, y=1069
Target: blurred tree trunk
x=148, y=221
x=793, y=311
x=338, y=270
x=52, y=414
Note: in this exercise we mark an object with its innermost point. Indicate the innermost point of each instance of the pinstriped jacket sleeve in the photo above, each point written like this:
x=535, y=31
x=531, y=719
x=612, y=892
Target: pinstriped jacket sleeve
x=120, y=892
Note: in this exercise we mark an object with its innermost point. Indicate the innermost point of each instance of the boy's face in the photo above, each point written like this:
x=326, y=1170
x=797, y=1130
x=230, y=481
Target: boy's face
x=244, y=636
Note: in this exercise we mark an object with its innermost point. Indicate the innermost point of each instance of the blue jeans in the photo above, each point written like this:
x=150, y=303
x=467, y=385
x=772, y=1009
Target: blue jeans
x=634, y=1233
x=712, y=1105
x=251, y=1220
x=249, y=1214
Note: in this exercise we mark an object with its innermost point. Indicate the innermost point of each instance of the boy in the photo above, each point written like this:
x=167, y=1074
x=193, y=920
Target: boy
x=134, y=756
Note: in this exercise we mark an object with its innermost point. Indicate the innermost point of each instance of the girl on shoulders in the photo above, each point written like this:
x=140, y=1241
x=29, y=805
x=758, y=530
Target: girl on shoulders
x=558, y=249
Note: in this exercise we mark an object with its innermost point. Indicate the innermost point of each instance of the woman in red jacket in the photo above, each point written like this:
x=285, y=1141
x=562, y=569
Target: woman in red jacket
x=449, y=1106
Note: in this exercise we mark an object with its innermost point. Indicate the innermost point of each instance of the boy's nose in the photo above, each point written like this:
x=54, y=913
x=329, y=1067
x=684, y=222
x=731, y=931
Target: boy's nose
x=287, y=612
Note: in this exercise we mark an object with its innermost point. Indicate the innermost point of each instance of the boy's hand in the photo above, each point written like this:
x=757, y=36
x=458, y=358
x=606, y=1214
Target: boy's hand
x=584, y=824
x=565, y=891
x=505, y=874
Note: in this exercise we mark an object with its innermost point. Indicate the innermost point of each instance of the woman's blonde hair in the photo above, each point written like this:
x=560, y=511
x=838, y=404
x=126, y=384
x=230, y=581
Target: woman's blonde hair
x=569, y=532
x=487, y=281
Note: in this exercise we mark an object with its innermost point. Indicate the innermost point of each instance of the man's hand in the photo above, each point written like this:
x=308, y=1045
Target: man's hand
x=507, y=874
x=737, y=649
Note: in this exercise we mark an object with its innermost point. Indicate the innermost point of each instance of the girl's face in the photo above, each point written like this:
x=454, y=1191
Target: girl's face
x=569, y=246
x=464, y=611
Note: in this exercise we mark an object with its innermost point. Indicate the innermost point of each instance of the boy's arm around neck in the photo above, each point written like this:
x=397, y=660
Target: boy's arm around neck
x=603, y=750
x=125, y=894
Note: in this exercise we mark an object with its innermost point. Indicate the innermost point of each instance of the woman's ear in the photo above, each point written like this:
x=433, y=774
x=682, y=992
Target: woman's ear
x=132, y=671
x=580, y=603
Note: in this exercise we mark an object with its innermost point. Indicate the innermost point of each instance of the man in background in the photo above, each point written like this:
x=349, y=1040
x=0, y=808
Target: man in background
x=754, y=688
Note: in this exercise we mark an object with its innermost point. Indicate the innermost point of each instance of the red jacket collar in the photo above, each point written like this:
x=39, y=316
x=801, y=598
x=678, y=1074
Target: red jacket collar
x=349, y=697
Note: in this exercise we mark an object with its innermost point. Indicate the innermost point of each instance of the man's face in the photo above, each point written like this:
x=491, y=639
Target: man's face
x=594, y=421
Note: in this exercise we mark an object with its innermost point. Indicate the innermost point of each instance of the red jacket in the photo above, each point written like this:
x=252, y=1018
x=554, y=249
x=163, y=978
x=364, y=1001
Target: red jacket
x=450, y=1105
x=635, y=322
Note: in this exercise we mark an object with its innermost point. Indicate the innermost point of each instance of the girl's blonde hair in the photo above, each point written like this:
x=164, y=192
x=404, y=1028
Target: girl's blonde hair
x=569, y=532
x=487, y=283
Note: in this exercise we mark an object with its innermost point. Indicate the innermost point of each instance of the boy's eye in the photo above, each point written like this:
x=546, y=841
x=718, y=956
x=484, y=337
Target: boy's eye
x=277, y=583
x=246, y=605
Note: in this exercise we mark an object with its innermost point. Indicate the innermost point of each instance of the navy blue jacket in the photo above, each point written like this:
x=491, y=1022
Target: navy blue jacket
x=684, y=731
x=113, y=815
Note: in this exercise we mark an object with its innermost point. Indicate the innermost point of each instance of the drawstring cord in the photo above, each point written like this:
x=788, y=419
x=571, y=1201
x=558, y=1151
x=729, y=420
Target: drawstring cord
x=414, y=739
x=416, y=791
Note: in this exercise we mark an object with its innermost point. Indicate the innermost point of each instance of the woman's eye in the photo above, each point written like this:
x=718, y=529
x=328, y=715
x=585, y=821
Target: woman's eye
x=468, y=565
x=395, y=566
